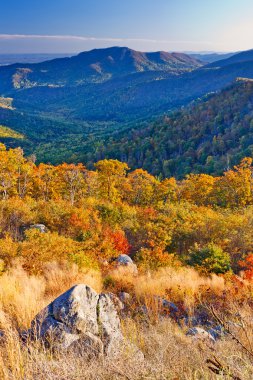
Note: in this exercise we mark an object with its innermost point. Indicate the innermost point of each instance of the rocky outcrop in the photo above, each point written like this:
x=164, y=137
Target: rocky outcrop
x=40, y=227
x=81, y=319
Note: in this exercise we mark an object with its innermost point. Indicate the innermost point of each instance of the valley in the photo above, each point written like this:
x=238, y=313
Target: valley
x=88, y=107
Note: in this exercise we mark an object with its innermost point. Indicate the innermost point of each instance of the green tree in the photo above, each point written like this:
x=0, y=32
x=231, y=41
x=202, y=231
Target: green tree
x=210, y=258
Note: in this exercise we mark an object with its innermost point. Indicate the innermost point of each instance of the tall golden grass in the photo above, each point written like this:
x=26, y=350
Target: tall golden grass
x=169, y=353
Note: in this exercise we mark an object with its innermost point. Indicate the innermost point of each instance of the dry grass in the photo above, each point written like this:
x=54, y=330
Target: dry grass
x=23, y=296
x=169, y=354
x=60, y=278
x=180, y=285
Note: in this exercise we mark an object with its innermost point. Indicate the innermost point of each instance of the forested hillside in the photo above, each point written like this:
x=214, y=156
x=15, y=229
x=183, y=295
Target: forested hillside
x=95, y=215
x=210, y=135
x=131, y=89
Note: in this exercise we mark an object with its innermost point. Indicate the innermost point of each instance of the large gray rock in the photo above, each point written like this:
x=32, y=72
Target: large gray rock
x=80, y=319
x=109, y=325
x=77, y=308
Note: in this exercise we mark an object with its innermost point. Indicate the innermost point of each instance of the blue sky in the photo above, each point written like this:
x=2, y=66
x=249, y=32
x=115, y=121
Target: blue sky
x=173, y=25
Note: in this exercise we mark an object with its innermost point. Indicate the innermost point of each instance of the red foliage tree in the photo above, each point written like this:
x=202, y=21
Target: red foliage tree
x=247, y=265
x=120, y=242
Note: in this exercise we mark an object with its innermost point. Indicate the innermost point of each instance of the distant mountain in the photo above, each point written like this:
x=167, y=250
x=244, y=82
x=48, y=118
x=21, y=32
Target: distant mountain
x=210, y=57
x=9, y=59
x=136, y=85
x=95, y=66
x=245, y=56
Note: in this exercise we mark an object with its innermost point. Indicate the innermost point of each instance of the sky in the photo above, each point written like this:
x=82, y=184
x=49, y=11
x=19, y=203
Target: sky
x=71, y=26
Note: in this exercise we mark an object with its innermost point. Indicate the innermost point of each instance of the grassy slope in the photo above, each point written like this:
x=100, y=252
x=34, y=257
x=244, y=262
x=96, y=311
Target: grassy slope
x=6, y=132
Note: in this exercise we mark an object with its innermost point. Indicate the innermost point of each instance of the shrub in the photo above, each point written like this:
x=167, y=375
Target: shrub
x=39, y=248
x=247, y=266
x=8, y=251
x=154, y=258
x=210, y=258
x=2, y=266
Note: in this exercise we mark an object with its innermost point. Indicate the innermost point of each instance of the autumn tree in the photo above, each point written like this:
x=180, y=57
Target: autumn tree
x=197, y=188
x=142, y=188
x=71, y=181
x=26, y=171
x=111, y=175
x=235, y=187
x=10, y=161
x=247, y=266
x=45, y=182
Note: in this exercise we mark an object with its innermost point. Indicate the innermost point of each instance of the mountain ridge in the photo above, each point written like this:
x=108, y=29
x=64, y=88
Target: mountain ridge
x=241, y=57
x=94, y=66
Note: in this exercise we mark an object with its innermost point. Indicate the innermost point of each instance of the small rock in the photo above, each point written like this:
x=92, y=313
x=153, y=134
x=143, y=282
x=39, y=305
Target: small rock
x=124, y=260
x=40, y=227
x=124, y=297
x=216, y=332
x=200, y=334
x=166, y=306
x=127, y=262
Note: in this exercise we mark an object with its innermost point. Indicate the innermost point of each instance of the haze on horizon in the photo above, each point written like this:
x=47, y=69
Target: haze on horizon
x=61, y=26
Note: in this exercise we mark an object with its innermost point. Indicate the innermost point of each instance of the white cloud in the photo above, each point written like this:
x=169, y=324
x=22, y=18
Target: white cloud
x=96, y=39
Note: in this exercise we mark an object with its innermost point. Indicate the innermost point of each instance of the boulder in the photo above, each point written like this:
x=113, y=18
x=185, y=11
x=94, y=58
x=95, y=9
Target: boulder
x=109, y=325
x=40, y=227
x=126, y=262
x=80, y=319
x=77, y=308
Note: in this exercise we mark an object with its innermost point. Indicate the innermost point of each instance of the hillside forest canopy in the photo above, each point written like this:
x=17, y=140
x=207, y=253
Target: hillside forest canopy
x=94, y=215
